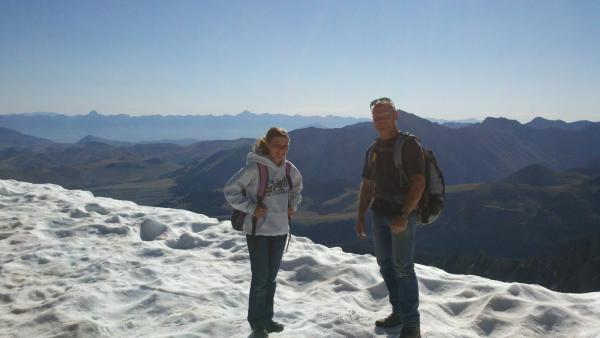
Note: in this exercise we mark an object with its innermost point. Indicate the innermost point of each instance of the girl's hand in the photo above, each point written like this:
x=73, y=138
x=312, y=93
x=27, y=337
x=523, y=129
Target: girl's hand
x=260, y=211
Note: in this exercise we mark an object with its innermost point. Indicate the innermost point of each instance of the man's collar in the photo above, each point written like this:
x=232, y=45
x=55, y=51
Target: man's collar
x=396, y=133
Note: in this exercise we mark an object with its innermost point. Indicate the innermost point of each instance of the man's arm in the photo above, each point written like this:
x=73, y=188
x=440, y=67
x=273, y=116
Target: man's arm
x=367, y=189
x=415, y=190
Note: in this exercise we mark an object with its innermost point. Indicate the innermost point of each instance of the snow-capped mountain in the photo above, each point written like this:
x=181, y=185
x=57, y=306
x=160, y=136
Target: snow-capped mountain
x=74, y=265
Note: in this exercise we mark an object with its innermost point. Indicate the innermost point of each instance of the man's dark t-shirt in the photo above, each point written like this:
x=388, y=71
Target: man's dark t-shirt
x=388, y=180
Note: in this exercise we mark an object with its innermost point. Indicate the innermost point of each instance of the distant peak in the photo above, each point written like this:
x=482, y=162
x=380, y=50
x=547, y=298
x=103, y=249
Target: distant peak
x=539, y=119
x=95, y=140
x=500, y=122
x=90, y=139
x=535, y=174
x=458, y=121
x=93, y=113
x=543, y=122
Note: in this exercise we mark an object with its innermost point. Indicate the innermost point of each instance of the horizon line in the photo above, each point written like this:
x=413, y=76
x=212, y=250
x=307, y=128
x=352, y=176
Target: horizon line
x=440, y=120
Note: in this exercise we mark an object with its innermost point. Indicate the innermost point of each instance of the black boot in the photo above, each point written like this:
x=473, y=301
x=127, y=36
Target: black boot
x=410, y=332
x=392, y=320
x=259, y=333
x=274, y=326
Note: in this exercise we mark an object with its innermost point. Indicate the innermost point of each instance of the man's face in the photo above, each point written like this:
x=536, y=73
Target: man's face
x=384, y=118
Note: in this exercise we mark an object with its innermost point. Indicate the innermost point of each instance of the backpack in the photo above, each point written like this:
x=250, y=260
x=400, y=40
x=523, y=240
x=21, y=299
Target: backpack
x=238, y=216
x=431, y=203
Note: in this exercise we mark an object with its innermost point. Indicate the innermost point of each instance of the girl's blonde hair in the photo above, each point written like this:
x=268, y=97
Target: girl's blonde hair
x=261, y=144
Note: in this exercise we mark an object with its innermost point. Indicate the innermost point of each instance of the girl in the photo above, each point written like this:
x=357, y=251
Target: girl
x=266, y=224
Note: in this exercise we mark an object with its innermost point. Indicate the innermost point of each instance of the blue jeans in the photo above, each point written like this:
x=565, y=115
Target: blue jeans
x=265, y=257
x=395, y=254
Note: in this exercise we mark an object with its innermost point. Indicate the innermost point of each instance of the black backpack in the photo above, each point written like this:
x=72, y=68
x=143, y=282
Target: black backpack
x=432, y=201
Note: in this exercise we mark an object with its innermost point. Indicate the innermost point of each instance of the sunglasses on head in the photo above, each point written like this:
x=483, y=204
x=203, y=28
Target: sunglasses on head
x=383, y=100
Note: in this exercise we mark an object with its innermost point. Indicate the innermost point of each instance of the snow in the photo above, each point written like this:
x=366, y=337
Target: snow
x=75, y=265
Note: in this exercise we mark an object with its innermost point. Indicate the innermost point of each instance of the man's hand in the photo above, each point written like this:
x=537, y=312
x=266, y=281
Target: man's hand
x=290, y=212
x=260, y=211
x=365, y=196
x=360, y=228
x=399, y=224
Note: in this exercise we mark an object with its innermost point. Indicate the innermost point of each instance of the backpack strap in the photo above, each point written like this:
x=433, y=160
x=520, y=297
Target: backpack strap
x=263, y=179
x=288, y=170
x=398, y=147
x=263, y=175
x=371, y=157
x=288, y=176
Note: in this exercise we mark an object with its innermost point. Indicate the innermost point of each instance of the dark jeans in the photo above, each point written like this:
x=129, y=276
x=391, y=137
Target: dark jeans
x=265, y=257
x=395, y=253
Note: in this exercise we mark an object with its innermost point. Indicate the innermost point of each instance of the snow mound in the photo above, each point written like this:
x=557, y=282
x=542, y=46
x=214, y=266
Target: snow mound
x=75, y=265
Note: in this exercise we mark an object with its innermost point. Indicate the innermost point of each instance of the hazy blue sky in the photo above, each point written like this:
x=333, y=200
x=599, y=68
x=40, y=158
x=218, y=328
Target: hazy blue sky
x=444, y=59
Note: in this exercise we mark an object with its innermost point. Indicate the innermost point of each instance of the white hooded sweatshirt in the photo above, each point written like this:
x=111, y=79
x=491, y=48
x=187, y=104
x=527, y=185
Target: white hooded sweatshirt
x=275, y=221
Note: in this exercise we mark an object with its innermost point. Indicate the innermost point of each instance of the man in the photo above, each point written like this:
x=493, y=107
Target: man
x=395, y=195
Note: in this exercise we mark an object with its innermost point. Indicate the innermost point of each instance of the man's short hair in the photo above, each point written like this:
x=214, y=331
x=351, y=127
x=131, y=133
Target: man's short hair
x=382, y=100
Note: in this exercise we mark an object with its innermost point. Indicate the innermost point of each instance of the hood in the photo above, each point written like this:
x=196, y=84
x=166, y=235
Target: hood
x=256, y=158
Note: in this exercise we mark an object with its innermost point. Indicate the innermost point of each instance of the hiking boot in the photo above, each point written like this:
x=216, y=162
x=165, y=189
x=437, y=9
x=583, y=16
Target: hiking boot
x=410, y=332
x=392, y=320
x=259, y=333
x=274, y=326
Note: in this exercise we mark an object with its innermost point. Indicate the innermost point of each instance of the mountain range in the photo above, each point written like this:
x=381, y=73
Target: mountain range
x=542, y=123
x=477, y=160
x=178, y=128
x=331, y=159
x=187, y=129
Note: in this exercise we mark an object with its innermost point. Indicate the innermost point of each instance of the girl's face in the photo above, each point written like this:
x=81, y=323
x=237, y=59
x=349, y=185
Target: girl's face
x=278, y=149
